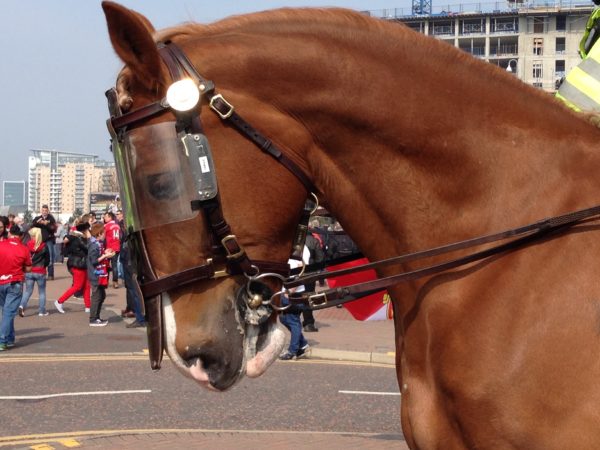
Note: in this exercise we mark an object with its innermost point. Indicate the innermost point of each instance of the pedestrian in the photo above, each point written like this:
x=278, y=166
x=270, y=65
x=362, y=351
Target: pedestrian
x=59, y=236
x=132, y=295
x=113, y=241
x=15, y=261
x=317, y=255
x=97, y=267
x=290, y=318
x=46, y=222
x=40, y=259
x=134, y=302
x=76, y=249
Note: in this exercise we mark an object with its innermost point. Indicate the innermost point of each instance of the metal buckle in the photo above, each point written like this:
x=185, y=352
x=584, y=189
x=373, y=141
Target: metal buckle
x=215, y=109
x=239, y=254
x=217, y=273
x=320, y=295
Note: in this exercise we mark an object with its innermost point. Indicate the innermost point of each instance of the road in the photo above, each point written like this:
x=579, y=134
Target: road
x=53, y=399
x=68, y=385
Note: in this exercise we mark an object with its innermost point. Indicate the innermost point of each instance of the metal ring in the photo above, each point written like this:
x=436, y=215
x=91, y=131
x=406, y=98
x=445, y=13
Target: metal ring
x=256, y=274
x=260, y=276
x=301, y=271
x=277, y=307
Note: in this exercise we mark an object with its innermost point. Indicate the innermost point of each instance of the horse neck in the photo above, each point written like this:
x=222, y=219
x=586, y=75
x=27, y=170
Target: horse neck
x=409, y=156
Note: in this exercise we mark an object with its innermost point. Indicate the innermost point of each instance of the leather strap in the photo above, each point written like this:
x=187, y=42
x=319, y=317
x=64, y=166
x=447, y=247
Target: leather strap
x=204, y=272
x=533, y=233
x=571, y=218
x=152, y=304
x=228, y=115
x=138, y=116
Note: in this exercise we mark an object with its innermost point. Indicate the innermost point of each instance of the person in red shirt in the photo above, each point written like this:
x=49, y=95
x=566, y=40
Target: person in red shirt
x=112, y=232
x=15, y=261
x=76, y=253
x=40, y=259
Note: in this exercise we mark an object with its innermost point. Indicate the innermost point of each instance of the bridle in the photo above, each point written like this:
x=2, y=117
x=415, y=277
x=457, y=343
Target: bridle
x=226, y=251
x=256, y=301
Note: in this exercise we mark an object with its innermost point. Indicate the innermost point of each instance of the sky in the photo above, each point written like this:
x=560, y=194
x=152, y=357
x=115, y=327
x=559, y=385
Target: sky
x=56, y=62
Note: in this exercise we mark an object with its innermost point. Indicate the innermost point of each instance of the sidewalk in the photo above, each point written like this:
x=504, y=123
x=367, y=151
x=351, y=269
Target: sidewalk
x=340, y=337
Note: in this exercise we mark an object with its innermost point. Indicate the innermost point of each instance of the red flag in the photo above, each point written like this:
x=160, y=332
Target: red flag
x=373, y=307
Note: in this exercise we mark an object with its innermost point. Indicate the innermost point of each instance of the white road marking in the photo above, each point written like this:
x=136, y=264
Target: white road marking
x=368, y=393
x=72, y=394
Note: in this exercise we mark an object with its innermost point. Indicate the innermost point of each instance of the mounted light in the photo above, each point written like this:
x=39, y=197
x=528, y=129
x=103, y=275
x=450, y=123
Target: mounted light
x=183, y=95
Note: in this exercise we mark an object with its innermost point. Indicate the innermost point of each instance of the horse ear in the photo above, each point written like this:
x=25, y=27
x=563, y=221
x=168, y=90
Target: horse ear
x=131, y=37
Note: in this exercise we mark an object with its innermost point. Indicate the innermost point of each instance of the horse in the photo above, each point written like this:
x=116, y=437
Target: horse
x=410, y=144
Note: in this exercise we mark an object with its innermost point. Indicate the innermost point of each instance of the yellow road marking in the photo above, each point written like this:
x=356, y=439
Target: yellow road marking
x=70, y=443
x=42, y=439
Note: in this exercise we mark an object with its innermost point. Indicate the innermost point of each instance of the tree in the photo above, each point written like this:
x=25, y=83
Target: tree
x=77, y=213
x=111, y=183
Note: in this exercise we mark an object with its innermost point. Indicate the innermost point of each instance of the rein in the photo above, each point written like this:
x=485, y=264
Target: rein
x=522, y=236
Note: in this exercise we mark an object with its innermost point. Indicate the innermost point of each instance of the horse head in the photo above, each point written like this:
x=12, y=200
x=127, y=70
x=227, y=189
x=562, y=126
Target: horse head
x=205, y=332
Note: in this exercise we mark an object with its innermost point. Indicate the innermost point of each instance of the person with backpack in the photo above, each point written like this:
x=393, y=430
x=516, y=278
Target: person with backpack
x=40, y=259
x=76, y=253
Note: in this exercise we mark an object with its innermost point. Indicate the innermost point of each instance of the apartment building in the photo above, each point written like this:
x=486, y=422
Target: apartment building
x=13, y=195
x=537, y=41
x=64, y=181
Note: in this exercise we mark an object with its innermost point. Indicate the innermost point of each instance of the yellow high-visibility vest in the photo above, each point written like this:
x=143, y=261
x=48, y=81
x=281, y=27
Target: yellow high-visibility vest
x=581, y=88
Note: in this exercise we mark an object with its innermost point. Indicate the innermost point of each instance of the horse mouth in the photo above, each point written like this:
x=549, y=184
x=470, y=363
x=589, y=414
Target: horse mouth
x=259, y=347
x=259, y=357
x=269, y=345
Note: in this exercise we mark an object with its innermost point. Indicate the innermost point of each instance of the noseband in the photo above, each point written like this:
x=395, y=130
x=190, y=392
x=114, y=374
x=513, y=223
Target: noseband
x=255, y=300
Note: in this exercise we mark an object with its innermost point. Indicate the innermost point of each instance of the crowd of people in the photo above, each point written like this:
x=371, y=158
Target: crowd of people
x=94, y=249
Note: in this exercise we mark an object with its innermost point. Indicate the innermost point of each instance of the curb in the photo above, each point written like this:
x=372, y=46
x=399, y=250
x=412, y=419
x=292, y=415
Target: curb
x=316, y=353
x=347, y=355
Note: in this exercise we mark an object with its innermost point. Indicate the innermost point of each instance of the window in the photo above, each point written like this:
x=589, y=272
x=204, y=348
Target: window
x=442, y=28
x=559, y=68
x=505, y=25
x=536, y=24
x=538, y=71
x=560, y=45
x=561, y=23
x=538, y=46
